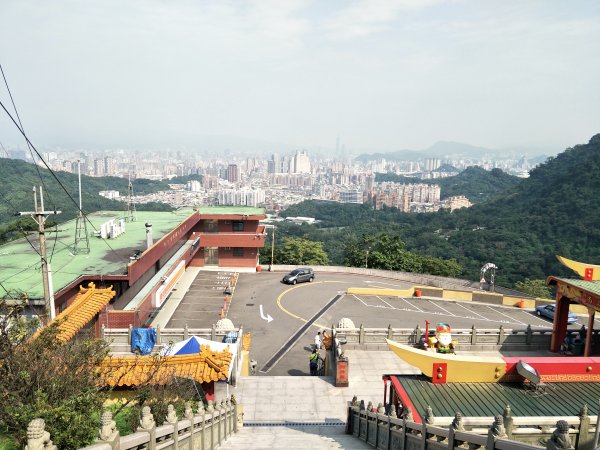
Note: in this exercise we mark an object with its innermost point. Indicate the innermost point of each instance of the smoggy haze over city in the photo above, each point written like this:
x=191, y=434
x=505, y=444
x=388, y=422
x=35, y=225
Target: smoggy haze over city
x=382, y=75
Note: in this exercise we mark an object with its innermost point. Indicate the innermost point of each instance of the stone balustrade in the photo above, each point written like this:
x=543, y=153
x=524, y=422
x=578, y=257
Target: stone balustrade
x=205, y=429
x=385, y=431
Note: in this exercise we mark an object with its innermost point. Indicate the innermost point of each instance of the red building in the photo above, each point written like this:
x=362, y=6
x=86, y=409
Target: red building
x=225, y=236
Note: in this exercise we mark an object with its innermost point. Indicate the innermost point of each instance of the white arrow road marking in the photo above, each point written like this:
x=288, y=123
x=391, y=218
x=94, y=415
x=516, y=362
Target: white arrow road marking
x=262, y=315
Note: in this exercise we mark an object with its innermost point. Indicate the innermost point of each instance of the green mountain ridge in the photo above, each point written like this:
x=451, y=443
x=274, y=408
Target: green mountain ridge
x=19, y=177
x=474, y=182
x=554, y=211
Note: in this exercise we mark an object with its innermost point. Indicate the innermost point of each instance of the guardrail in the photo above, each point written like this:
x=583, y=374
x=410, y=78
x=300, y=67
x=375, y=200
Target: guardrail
x=503, y=432
x=205, y=429
x=472, y=339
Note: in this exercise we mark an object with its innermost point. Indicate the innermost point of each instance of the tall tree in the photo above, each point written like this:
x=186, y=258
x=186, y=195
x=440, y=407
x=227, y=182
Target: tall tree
x=300, y=251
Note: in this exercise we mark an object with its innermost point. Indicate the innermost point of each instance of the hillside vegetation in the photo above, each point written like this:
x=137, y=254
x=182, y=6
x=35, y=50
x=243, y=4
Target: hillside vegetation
x=475, y=183
x=554, y=211
x=18, y=178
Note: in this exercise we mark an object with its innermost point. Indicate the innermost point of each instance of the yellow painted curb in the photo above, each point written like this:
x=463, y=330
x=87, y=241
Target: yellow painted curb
x=383, y=292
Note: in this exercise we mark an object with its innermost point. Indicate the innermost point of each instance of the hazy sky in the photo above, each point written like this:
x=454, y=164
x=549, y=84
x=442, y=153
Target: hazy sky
x=383, y=74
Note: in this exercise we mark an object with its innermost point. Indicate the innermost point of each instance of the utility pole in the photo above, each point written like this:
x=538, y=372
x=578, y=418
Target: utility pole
x=82, y=240
x=131, y=213
x=40, y=216
x=272, y=249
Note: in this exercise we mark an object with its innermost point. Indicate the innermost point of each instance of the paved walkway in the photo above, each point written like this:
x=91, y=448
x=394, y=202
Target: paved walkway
x=303, y=405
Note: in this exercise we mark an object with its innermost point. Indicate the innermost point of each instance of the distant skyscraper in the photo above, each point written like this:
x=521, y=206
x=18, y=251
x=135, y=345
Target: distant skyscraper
x=98, y=167
x=233, y=173
x=301, y=162
x=109, y=165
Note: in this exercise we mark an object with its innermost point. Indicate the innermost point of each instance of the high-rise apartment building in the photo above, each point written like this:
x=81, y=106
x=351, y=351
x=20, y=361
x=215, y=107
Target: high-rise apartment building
x=233, y=173
x=301, y=162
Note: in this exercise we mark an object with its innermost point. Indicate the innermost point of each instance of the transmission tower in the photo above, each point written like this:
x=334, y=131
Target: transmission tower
x=131, y=213
x=82, y=240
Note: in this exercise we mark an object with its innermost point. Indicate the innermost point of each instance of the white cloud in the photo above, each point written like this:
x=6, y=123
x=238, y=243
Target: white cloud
x=365, y=17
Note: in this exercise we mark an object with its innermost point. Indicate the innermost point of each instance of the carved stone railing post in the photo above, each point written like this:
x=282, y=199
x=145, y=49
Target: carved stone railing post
x=390, y=332
x=148, y=425
x=172, y=419
x=221, y=409
x=188, y=413
x=560, y=438
x=238, y=423
x=361, y=334
x=202, y=414
x=501, y=335
x=418, y=334
x=456, y=425
x=496, y=432
x=585, y=438
x=210, y=412
x=186, y=332
x=473, y=335
x=508, y=421
x=230, y=418
x=108, y=432
x=37, y=436
x=529, y=335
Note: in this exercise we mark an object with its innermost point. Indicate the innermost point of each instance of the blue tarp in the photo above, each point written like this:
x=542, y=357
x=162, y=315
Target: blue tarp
x=231, y=337
x=142, y=340
x=187, y=347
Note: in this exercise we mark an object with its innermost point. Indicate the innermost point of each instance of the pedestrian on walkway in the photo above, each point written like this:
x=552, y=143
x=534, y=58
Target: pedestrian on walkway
x=318, y=341
x=314, y=361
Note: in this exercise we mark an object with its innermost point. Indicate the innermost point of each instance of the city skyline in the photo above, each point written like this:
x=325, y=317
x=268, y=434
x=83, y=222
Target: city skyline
x=369, y=76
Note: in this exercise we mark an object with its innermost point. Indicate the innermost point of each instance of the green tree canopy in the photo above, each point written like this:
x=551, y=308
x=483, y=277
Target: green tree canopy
x=299, y=251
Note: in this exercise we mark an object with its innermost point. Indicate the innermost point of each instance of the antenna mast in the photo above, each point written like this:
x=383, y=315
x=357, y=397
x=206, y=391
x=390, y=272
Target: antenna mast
x=82, y=240
x=131, y=213
x=40, y=216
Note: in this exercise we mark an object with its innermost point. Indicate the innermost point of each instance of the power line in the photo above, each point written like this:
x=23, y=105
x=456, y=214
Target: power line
x=25, y=235
x=56, y=178
x=31, y=153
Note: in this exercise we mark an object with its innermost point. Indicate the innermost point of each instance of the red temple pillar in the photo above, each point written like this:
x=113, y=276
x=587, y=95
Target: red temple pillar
x=590, y=331
x=559, y=327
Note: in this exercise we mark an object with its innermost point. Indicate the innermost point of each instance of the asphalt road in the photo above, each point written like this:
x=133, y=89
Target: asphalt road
x=281, y=346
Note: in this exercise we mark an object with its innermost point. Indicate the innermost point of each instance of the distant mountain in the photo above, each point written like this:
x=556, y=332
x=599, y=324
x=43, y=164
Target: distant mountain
x=18, y=178
x=475, y=183
x=450, y=149
x=554, y=211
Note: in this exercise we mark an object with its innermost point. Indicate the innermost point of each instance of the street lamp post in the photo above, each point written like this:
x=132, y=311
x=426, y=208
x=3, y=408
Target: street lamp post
x=272, y=247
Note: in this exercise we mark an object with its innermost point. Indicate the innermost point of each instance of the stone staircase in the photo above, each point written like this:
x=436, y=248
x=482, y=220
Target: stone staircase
x=304, y=412
x=293, y=437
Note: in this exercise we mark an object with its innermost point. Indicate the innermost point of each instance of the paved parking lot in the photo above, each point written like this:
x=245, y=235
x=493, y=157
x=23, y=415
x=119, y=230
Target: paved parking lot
x=284, y=319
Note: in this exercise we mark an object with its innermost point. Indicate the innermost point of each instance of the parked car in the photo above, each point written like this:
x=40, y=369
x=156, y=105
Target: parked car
x=299, y=275
x=549, y=310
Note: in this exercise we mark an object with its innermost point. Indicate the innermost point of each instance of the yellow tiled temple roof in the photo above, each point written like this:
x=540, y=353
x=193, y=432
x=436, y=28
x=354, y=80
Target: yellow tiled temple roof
x=84, y=308
x=202, y=367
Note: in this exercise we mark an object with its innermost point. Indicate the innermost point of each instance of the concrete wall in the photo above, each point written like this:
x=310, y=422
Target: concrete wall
x=471, y=339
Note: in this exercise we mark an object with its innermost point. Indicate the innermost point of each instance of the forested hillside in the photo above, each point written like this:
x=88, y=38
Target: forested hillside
x=19, y=177
x=475, y=183
x=555, y=211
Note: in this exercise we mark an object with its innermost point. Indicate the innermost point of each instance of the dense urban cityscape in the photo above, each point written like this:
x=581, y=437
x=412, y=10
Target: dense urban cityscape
x=279, y=180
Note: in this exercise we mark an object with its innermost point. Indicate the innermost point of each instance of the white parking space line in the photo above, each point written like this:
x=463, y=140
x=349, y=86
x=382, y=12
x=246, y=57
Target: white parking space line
x=539, y=319
x=473, y=312
x=512, y=319
x=393, y=307
x=360, y=300
x=412, y=305
x=443, y=309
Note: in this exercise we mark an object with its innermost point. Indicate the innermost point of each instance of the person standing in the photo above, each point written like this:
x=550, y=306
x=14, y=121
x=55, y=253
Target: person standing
x=314, y=362
x=318, y=341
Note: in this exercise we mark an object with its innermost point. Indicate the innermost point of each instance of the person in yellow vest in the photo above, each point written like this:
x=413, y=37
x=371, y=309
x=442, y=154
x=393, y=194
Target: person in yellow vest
x=314, y=361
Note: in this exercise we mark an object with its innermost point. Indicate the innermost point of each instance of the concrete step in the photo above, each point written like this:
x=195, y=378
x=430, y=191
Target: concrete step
x=292, y=437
